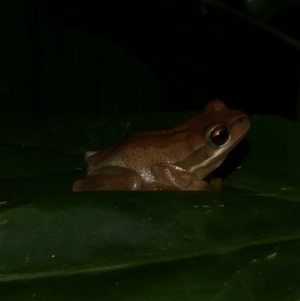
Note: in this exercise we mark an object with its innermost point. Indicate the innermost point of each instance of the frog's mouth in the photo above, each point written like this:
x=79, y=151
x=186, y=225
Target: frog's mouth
x=208, y=166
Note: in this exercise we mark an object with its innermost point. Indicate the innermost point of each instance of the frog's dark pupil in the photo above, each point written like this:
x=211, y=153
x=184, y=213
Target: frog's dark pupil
x=219, y=135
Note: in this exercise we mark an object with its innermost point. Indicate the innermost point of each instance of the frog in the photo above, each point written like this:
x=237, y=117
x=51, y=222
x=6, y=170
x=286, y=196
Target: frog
x=181, y=158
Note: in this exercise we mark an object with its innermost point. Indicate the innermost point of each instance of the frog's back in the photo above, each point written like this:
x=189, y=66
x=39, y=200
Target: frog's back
x=140, y=151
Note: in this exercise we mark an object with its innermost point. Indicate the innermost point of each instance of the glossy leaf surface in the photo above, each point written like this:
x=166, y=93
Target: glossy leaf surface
x=239, y=244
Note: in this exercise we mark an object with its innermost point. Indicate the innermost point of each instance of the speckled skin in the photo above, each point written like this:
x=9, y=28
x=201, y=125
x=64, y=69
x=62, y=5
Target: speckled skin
x=181, y=156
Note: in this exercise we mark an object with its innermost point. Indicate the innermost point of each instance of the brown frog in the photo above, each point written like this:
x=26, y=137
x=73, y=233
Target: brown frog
x=180, y=158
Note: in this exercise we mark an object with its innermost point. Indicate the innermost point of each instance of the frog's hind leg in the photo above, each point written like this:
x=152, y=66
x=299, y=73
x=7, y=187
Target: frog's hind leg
x=110, y=178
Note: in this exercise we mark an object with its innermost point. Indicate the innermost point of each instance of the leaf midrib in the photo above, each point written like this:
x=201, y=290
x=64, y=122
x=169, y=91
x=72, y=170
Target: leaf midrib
x=145, y=260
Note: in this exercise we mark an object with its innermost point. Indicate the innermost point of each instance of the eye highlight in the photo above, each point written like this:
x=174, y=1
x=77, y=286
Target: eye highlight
x=219, y=135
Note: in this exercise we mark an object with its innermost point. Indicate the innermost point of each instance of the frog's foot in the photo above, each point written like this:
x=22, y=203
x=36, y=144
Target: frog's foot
x=215, y=183
x=199, y=185
x=159, y=186
x=210, y=183
x=110, y=178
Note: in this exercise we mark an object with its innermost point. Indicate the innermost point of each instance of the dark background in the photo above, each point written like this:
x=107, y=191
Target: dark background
x=193, y=52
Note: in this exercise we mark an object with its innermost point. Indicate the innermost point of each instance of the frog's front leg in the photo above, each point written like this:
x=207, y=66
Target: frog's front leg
x=110, y=178
x=166, y=174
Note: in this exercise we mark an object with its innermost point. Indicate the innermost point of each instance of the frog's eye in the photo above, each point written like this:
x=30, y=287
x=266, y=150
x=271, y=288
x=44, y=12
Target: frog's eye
x=219, y=135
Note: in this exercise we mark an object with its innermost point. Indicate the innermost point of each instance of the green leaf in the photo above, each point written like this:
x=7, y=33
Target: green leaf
x=272, y=166
x=239, y=244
